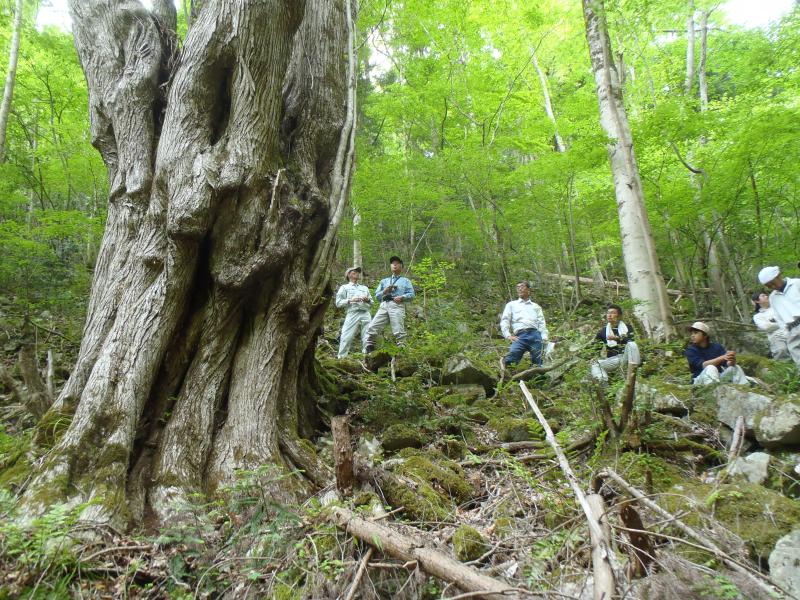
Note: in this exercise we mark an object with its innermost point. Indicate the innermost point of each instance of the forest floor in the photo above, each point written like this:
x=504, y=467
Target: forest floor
x=462, y=465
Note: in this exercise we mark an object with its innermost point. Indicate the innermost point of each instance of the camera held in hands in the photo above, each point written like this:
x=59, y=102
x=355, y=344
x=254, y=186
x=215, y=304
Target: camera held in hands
x=387, y=292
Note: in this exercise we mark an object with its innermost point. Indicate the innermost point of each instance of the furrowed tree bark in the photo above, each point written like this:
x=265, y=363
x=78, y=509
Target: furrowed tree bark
x=638, y=247
x=11, y=77
x=229, y=177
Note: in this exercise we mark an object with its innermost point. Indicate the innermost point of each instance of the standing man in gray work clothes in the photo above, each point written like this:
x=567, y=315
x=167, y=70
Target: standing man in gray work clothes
x=785, y=302
x=523, y=323
x=392, y=293
x=356, y=300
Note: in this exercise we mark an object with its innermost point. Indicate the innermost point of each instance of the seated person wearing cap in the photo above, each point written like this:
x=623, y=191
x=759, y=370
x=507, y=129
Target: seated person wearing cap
x=356, y=299
x=785, y=302
x=709, y=362
x=617, y=339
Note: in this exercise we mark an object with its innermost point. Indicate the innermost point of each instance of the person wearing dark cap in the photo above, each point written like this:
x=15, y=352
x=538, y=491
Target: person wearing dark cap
x=356, y=300
x=764, y=318
x=785, y=302
x=392, y=293
x=709, y=362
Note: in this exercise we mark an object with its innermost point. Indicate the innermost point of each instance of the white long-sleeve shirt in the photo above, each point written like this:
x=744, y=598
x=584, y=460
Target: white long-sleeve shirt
x=522, y=314
x=353, y=290
x=765, y=320
x=786, y=304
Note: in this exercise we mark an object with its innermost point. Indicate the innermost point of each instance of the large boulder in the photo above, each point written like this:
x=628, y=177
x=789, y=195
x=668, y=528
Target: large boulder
x=784, y=561
x=778, y=424
x=755, y=467
x=733, y=401
x=665, y=398
x=461, y=370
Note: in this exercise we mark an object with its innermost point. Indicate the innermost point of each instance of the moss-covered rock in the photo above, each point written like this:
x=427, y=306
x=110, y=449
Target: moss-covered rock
x=468, y=543
x=429, y=485
x=757, y=515
x=455, y=425
x=512, y=429
x=453, y=447
x=778, y=424
x=402, y=435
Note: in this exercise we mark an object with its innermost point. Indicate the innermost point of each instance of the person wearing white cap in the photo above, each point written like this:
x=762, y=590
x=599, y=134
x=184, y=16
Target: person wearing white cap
x=356, y=299
x=709, y=362
x=785, y=302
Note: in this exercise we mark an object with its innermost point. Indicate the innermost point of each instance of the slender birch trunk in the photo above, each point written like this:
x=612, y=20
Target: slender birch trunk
x=689, y=81
x=638, y=248
x=358, y=259
x=11, y=77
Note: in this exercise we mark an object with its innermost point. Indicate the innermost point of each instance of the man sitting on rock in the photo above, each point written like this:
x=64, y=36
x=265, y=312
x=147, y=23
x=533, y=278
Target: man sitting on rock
x=785, y=303
x=709, y=362
x=617, y=338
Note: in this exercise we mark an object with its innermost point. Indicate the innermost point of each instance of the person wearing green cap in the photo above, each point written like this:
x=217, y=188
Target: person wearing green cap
x=356, y=300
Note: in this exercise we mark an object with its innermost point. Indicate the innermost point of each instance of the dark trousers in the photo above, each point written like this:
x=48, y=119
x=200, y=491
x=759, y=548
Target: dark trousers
x=527, y=341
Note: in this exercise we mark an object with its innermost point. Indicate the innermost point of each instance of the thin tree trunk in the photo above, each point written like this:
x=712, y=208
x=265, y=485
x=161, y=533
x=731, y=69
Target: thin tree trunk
x=701, y=74
x=226, y=196
x=759, y=218
x=638, y=248
x=689, y=81
x=572, y=248
x=11, y=76
x=358, y=259
x=548, y=107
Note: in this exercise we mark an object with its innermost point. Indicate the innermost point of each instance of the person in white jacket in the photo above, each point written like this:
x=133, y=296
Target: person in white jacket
x=356, y=299
x=785, y=302
x=764, y=318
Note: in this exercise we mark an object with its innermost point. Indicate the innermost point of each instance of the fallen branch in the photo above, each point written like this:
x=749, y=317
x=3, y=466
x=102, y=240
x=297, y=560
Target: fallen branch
x=528, y=373
x=738, y=439
x=764, y=582
x=613, y=284
x=601, y=547
x=433, y=562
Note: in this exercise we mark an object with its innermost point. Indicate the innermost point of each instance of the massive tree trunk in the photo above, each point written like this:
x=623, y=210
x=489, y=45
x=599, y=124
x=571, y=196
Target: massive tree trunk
x=11, y=77
x=229, y=167
x=638, y=248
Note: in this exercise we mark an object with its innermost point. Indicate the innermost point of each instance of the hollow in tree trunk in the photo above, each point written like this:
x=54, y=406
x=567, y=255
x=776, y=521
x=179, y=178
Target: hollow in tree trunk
x=229, y=165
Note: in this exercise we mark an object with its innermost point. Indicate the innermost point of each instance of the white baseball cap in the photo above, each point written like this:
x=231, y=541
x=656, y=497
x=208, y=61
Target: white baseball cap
x=700, y=326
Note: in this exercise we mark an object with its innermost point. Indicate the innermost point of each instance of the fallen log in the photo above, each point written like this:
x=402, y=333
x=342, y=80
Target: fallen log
x=605, y=585
x=413, y=548
x=615, y=284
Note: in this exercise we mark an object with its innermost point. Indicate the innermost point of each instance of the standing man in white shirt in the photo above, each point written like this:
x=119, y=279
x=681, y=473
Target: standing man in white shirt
x=785, y=303
x=356, y=300
x=523, y=323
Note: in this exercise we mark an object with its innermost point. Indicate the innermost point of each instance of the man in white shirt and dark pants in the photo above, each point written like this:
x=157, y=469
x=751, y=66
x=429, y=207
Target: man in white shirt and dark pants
x=785, y=303
x=523, y=323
